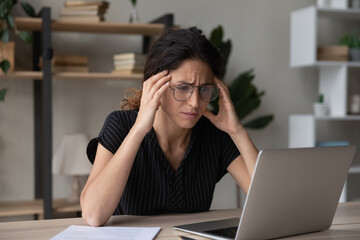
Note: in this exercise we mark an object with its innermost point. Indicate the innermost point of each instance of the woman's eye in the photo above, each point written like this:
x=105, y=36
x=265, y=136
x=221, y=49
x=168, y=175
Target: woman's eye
x=206, y=89
x=183, y=87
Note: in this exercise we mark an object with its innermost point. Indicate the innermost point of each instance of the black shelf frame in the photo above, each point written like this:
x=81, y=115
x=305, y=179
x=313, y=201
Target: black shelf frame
x=42, y=46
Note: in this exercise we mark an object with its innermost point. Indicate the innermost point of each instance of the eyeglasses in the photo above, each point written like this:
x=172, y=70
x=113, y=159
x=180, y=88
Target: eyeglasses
x=208, y=92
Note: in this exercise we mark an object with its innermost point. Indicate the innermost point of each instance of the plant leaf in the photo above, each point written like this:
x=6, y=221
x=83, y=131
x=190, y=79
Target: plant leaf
x=224, y=47
x=5, y=35
x=26, y=36
x=238, y=87
x=5, y=65
x=246, y=107
x=5, y=8
x=216, y=35
x=29, y=10
x=259, y=122
x=2, y=94
x=10, y=21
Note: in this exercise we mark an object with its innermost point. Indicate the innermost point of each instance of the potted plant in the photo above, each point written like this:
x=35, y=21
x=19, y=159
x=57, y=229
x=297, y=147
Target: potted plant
x=7, y=25
x=243, y=92
x=352, y=40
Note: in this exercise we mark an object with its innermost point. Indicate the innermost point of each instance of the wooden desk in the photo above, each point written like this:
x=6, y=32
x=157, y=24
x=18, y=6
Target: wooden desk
x=346, y=224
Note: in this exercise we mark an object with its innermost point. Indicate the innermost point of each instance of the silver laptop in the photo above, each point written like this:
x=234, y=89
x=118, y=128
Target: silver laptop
x=292, y=191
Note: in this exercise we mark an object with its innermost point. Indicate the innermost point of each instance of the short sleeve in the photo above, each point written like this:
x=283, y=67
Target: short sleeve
x=115, y=128
x=229, y=152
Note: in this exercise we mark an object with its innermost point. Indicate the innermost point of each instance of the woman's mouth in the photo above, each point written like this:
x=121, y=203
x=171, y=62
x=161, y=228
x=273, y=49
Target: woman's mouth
x=190, y=115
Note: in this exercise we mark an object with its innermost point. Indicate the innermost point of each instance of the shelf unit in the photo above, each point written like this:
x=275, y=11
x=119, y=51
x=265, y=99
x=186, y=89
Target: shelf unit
x=72, y=75
x=333, y=75
x=42, y=28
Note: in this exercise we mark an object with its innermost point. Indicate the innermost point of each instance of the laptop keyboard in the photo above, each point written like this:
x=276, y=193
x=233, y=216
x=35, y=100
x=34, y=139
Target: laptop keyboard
x=226, y=232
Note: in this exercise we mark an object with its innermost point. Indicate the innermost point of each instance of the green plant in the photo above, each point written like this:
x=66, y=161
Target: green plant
x=351, y=40
x=133, y=2
x=243, y=92
x=8, y=24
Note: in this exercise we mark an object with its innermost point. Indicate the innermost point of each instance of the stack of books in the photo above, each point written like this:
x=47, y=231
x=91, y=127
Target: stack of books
x=84, y=11
x=129, y=63
x=68, y=63
x=333, y=53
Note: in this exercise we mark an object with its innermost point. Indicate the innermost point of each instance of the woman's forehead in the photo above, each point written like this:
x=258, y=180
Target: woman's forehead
x=193, y=72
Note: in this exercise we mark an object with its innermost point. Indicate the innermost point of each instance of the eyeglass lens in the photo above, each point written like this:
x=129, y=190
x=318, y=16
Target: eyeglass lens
x=207, y=92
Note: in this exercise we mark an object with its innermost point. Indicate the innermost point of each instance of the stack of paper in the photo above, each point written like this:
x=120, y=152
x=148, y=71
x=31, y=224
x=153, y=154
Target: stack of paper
x=75, y=232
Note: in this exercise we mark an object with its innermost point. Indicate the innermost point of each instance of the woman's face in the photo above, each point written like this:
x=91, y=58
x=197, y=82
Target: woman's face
x=186, y=113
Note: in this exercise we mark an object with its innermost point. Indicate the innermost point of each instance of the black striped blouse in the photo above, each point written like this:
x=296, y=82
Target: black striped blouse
x=153, y=186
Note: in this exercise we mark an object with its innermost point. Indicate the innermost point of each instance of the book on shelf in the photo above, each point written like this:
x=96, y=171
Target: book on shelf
x=62, y=59
x=127, y=56
x=129, y=63
x=333, y=53
x=85, y=3
x=79, y=12
x=69, y=68
x=92, y=11
x=130, y=67
x=118, y=66
x=81, y=19
x=68, y=63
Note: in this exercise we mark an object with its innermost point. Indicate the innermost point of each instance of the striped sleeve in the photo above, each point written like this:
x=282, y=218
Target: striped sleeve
x=229, y=152
x=112, y=134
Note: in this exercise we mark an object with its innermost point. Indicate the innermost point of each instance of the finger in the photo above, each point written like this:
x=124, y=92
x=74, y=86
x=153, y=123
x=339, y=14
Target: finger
x=159, y=84
x=224, y=90
x=161, y=91
x=153, y=79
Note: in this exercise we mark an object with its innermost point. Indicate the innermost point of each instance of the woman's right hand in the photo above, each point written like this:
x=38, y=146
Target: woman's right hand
x=153, y=89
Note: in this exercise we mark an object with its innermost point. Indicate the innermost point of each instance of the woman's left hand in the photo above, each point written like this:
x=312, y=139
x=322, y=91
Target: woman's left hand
x=226, y=119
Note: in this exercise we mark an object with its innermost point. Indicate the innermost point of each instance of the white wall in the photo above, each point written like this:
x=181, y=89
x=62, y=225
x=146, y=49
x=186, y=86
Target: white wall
x=259, y=31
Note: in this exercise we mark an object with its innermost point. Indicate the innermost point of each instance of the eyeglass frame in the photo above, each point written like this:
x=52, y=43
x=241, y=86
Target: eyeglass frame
x=192, y=91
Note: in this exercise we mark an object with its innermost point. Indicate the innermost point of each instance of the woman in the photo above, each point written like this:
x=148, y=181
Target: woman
x=166, y=152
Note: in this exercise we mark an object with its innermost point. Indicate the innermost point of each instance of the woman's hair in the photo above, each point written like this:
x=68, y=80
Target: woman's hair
x=168, y=52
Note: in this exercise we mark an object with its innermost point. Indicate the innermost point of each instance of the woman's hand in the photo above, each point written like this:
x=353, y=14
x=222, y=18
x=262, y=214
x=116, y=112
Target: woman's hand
x=153, y=89
x=226, y=119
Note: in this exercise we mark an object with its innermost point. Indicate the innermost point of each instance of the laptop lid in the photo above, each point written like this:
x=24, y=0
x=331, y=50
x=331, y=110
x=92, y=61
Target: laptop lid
x=292, y=191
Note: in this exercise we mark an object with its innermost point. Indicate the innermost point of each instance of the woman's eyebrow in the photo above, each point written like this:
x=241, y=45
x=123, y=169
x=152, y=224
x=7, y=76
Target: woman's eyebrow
x=182, y=82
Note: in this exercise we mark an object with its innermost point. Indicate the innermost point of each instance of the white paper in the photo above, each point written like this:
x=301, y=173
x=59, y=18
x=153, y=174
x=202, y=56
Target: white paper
x=91, y=233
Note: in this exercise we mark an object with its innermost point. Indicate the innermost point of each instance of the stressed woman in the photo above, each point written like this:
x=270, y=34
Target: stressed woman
x=165, y=151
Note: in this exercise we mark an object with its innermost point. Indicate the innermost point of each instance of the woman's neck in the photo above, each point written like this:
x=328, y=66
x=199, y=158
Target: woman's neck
x=170, y=135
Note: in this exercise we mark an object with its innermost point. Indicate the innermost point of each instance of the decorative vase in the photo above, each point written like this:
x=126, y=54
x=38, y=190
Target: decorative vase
x=320, y=109
x=354, y=54
x=355, y=104
x=134, y=17
x=7, y=51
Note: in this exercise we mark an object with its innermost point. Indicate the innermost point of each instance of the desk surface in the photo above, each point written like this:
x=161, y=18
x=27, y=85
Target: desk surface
x=346, y=224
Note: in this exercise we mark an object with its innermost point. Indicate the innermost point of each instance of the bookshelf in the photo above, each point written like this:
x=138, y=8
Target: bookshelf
x=305, y=35
x=30, y=75
x=34, y=24
x=42, y=28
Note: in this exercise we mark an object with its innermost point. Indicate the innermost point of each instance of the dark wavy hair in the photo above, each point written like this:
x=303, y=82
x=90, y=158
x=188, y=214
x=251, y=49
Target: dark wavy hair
x=168, y=52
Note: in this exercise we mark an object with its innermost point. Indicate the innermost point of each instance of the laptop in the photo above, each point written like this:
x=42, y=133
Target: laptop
x=292, y=191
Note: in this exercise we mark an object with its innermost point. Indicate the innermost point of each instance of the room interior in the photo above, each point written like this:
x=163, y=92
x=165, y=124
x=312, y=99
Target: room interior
x=262, y=39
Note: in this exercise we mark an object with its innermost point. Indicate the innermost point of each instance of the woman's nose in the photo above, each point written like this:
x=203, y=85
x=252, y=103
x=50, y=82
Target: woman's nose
x=194, y=99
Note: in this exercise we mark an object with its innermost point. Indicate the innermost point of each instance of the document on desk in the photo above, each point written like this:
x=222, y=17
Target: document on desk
x=75, y=232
